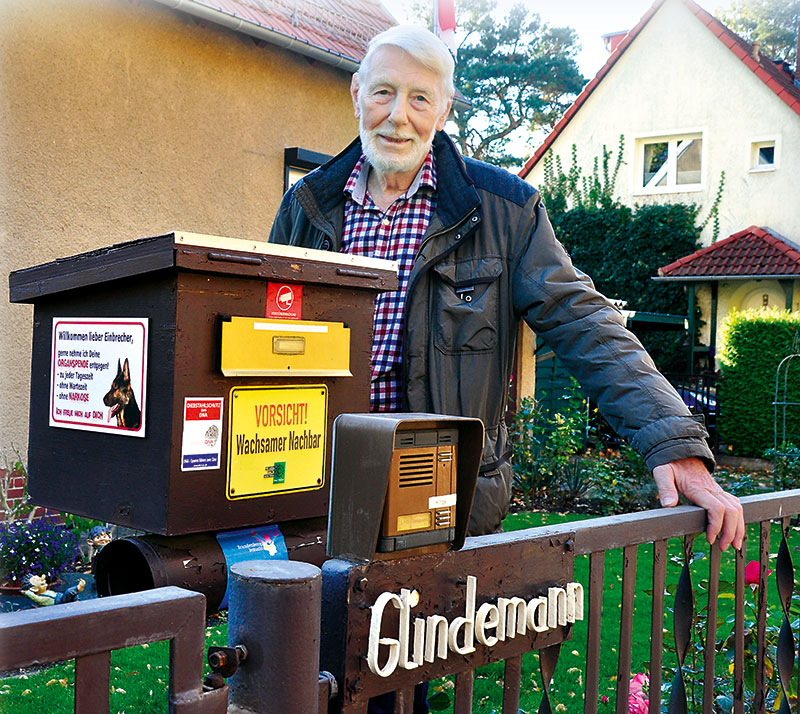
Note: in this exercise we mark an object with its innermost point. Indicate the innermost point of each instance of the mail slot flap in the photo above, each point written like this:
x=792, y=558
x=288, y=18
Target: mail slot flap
x=284, y=348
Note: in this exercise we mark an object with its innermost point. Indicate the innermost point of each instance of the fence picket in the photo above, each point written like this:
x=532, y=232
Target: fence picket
x=657, y=625
x=738, y=629
x=92, y=683
x=465, y=683
x=511, y=683
x=596, y=568
x=710, y=652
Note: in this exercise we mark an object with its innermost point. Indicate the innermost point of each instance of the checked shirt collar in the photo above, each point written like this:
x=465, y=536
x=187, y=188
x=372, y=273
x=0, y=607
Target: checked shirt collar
x=393, y=235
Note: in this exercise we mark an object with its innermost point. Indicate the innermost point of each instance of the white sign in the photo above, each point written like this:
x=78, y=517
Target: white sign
x=98, y=374
x=202, y=433
x=434, y=636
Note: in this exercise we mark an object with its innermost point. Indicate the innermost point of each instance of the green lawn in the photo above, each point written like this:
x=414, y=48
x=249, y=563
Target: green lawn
x=139, y=674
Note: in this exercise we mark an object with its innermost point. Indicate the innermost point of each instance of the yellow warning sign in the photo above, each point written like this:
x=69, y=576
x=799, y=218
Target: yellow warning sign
x=276, y=440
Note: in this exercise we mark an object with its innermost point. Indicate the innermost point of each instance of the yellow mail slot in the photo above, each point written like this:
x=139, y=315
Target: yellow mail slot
x=279, y=348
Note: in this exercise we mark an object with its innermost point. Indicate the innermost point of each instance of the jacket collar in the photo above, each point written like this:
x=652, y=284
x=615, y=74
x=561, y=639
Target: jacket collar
x=456, y=195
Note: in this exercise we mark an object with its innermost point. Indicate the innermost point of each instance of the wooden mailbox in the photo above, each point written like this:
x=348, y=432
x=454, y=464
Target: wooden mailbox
x=188, y=383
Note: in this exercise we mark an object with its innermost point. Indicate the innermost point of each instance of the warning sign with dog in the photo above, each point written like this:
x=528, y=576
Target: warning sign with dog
x=98, y=374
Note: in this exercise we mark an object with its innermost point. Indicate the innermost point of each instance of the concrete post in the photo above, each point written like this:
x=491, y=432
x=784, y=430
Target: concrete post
x=274, y=612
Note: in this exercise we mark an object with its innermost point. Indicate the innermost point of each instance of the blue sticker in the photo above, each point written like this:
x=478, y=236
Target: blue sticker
x=257, y=543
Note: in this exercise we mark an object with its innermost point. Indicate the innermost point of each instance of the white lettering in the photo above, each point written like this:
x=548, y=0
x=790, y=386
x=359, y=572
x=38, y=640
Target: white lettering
x=574, y=602
x=512, y=617
x=556, y=607
x=409, y=599
x=537, y=614
x=434, y=637
x=375, y=639
x=486, y=619
x=468, y=622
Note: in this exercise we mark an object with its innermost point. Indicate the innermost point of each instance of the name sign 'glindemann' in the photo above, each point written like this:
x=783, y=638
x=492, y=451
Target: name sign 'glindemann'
x=434, y=636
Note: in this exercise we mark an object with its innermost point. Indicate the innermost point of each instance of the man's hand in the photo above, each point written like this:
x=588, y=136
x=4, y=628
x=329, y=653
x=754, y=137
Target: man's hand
x=691, y=478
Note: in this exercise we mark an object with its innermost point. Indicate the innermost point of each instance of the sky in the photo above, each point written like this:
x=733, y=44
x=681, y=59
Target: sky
x=589, y=18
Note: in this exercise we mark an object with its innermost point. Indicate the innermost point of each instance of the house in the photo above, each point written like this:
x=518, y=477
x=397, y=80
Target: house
x=692, y=100
x=128, y=118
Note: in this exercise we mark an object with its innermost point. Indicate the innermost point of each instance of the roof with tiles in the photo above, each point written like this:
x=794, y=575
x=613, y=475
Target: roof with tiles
x=764, y=68
x=342, y=27
x=753, y=252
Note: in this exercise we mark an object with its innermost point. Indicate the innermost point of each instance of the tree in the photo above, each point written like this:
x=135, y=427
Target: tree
x=519, y=74
x=772, y=23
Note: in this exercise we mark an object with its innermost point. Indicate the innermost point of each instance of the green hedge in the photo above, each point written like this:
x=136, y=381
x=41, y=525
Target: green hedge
x=622, y=249
x=754, y=343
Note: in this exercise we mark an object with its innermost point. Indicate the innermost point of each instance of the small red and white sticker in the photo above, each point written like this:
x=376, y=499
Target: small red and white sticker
x=284, y=301
x=202, y=432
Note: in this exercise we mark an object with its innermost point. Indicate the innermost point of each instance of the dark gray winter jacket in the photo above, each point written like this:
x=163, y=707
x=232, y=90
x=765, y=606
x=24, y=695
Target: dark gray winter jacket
x=488, y=260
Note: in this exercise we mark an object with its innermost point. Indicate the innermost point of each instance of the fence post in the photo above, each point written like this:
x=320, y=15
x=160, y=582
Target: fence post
x=274, y=612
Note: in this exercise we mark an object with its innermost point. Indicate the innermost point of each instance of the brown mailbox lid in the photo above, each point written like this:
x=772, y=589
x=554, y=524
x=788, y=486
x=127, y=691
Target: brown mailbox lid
x=196, y=252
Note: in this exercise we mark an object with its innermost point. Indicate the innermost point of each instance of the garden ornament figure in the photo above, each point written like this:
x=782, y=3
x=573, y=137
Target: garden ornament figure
x=35, y=587
x=476, y=254
x=97, y=538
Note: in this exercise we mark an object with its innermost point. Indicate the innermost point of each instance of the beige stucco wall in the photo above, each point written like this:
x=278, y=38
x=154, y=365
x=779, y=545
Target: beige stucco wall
x=677, y=77
x=125, y=119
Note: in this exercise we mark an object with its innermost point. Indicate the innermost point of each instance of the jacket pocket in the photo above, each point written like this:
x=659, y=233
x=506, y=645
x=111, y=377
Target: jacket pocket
x=466, y=305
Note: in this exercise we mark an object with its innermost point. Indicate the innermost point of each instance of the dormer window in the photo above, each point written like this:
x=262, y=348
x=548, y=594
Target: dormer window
x=670, y=163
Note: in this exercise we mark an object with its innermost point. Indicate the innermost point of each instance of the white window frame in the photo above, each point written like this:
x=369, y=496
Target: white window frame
x=756, y=143
x=670, y=167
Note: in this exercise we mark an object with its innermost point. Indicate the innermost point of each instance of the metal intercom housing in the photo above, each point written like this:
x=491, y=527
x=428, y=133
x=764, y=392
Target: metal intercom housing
x=401, y=483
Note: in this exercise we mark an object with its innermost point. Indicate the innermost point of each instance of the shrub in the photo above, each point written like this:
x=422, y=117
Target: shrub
x=618, y=481
x=544, y=443
x=787, y=466
x=42, y=547
x=754, y=343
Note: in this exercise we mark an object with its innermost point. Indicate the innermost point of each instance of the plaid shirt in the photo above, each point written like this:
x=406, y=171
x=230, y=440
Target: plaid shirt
x=394, y=235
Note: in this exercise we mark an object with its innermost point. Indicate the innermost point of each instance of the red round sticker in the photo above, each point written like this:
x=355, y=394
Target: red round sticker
x=285, y=298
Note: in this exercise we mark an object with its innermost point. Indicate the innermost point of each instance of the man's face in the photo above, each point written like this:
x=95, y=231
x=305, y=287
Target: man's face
x=399, y=106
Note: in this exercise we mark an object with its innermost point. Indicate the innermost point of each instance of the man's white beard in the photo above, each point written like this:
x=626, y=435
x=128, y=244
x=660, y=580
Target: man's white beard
x=392, y=164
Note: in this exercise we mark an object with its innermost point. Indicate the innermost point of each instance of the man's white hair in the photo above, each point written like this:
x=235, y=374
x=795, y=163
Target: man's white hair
x=422, y=45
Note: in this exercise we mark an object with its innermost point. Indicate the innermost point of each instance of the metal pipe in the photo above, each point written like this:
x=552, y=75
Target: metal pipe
x=290, y=593
x=195, y=562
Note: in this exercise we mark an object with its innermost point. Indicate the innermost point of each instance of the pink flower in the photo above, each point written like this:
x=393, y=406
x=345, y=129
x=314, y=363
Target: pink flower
x=637, y=704
x=604, y=699
x=638, y=688
x=752, y=573
x=639, y=684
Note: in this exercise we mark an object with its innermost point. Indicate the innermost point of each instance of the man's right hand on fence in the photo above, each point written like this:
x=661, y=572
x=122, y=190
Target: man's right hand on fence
x=691, y=478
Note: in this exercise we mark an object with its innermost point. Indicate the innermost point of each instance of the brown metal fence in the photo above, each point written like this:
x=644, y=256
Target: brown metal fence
x=597, y=537
x=594, y=539
x=88, y=631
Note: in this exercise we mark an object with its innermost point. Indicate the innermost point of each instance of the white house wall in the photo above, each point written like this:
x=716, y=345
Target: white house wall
x=677, y=77
x=740, y=295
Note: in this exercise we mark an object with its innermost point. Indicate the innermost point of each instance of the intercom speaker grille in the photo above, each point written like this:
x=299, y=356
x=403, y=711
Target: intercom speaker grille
x=417, y=469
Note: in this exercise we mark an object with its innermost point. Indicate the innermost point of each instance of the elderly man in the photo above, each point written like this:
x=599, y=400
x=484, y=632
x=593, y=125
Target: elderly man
x=477, y=254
